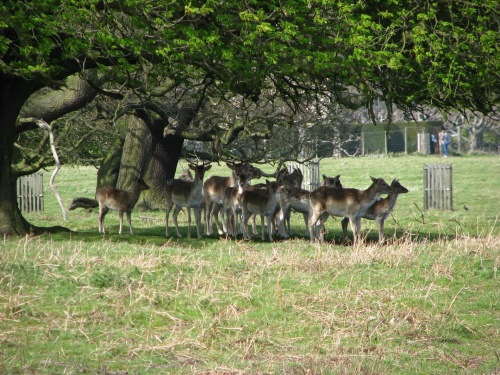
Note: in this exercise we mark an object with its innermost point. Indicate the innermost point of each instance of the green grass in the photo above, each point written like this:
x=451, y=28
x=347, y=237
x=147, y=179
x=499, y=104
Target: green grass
x=428, y=301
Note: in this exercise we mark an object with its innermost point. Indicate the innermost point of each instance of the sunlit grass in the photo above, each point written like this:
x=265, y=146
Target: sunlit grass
x=427, y=301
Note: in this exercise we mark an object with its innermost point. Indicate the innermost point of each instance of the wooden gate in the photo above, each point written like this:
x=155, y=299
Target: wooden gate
x=30, y=192
x=310, y=171
x=438, y=190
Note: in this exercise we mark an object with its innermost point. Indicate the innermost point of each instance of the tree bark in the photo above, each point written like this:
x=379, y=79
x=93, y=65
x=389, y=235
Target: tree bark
x=165, y=154
x=136, y=152
x=13, y=94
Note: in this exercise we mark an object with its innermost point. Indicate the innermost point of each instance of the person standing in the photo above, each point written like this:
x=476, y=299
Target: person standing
x=445, y=141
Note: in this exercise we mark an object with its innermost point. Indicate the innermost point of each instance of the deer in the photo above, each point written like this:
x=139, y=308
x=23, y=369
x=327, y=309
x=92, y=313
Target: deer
x=215, y=186
x=258, y=201
x=231, y=205
x=111, y=198
x=185, y=193
x=380, y=210
x=345, y=202
x=297, y=200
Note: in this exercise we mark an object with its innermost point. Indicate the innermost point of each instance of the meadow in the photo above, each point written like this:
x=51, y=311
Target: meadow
x=426, y=301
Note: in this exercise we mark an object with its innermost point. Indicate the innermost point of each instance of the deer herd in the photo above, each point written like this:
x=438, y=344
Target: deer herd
x=238, y=201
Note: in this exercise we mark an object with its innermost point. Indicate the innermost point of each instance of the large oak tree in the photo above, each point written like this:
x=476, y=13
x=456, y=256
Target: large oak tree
x=411, y=54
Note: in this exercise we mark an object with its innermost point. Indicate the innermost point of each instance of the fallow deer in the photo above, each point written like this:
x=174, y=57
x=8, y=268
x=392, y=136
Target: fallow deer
x=215, y=186
x=231, y=205
x=259, y=201
x=297, y=200
x=346, y=202
x=122, y=201
x=380, y=210
x=189, y=194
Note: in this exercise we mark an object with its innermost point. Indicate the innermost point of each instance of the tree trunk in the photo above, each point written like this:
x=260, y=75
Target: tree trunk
x=107, y=175
x=136, y=152
x=165, y=155
x=13, y=94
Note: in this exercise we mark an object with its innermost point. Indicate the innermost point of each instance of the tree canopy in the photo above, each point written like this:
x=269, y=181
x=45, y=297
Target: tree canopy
x=410, y=54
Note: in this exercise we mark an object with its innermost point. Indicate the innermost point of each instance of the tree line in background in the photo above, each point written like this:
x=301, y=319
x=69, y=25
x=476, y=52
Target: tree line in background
x=124, y=83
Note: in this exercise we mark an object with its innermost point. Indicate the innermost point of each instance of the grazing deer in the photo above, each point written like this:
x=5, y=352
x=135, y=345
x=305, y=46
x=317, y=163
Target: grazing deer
x=380, y=209
x=259, y=201
x=345, y=202
x=297, y=200
x=122, y=201
x=189, y=194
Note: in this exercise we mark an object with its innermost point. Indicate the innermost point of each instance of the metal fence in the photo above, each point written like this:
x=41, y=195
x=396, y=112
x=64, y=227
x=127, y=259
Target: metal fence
x=310, y=171
x=30, y=193
x=438, y=186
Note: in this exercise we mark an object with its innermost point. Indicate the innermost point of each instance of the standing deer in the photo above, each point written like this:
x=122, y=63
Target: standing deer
x=231, y=205
x=259, y=201
x=189, y=194
x=122, y=201
x=297, y=200
x=345, y=202
x=380, y=209
x=215, y=186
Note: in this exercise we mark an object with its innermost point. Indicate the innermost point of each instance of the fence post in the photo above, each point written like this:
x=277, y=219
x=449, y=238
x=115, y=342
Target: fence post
x=406, y=140
x=385, y=142
x=363, y=143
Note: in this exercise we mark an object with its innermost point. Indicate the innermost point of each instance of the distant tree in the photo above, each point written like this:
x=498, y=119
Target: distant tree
x=409, y=54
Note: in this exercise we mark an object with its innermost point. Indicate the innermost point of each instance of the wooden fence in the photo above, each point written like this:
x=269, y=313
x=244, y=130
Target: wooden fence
x=438, y=187
x=310, y=171
x=30, y=192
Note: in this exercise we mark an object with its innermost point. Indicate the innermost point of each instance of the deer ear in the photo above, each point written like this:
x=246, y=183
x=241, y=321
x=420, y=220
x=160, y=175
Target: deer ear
x=324, y=177
x=207, y=167
x=337, y=177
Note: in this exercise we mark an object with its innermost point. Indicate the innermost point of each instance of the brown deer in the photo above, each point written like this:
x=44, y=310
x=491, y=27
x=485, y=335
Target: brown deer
x=231, y=205
x=259, y=201
x=297, y=200
x=380, y=210
x=215, y=186
x=345, y=202
x=189, y=194
x=122, y=201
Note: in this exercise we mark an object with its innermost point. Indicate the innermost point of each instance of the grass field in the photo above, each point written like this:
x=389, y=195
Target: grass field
x=427, y=301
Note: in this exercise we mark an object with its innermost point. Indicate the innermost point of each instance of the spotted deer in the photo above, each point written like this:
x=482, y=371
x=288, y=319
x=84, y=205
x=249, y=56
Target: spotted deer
x=185, y=193
x=345, y=202
x=231, y=205
x=259, y=201
x=380, y=210
x=215, y=186
x=122, y=201
x=297, y=200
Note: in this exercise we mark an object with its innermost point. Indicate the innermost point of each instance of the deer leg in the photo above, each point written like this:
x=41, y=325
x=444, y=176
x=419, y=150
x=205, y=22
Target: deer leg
x=345, y=223
x=197, y=218
x=120, y=215
x=263, y=227
x=270, y=227
x=281, y=222
x=244, y=218
x=175, y=214
x=208, y=219
x=169, y=207
x=189, y=221
x=215, y=212
x=312, y=222
x=254, y=226
x=129, y=219
x=380, y=224
x=103, y=210
x=306, y=219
